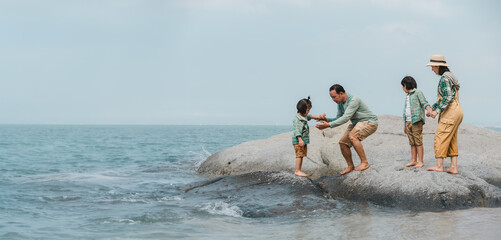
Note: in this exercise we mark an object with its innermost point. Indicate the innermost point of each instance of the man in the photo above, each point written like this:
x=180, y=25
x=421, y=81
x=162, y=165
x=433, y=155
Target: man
x=363, y=124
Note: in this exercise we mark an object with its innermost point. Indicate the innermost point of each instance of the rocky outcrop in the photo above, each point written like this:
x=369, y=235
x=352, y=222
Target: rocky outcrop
x=387, y=182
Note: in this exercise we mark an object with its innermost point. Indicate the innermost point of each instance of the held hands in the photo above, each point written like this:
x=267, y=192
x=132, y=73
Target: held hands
x=432, y=114
x=323, y=121
x=301, y=142
x=320, y=117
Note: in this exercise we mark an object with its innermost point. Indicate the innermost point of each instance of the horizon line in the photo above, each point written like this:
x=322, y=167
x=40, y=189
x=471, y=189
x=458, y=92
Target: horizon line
x=163, y=124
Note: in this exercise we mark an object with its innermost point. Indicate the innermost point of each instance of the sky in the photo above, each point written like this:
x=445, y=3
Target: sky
x=238, y=62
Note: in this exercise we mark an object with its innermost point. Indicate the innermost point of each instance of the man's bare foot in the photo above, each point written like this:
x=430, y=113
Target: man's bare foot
x=347, y=170
x=362, y=167
x=419, y=165
x=411, y=164
x=452, y=171
x=436, y=169
x=301, y=174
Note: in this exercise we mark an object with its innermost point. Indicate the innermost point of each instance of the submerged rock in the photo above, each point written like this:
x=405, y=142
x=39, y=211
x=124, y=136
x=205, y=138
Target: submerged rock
x=387, y=182
x=258, y=194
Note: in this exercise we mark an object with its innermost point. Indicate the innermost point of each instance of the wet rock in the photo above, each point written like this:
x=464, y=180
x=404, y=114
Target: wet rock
x=387, y=182
x=258, y=194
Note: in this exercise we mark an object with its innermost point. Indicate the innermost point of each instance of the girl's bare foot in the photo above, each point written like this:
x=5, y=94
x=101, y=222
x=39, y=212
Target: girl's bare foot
x=301, y=174
x=452, y=171
x=436, y=169
x=362, y=167
x=347, y=170
x=419, y=165
x=410, y=164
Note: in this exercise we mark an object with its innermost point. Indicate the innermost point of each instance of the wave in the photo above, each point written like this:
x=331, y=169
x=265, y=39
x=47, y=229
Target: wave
x=222, y=208
x=88, y=177
x=13, y=235
x=60, y=199
x=123, y=200
x=169, y=198
x=189, y=161
x=200, y=156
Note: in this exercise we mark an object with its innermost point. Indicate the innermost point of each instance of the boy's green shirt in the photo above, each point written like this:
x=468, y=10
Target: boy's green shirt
x=301, y=129
x=353, y=109
x=418, y=104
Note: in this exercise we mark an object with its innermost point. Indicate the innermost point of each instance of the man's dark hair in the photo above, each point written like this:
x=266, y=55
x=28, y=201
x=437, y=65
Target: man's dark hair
x=409, y=82
x=303, y=104
x=442, y=70
x=338, y=88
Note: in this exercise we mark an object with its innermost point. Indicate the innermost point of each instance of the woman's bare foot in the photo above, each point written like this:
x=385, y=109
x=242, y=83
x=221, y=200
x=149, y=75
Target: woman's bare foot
x=362, y=167
x=436, y=169
x=419, y=165
x=452, y=171
x=411, y=164
x=347, y=170
x=301, y=174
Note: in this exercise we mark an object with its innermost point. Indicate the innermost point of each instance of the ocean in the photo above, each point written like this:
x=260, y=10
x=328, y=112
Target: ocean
x=135, y=182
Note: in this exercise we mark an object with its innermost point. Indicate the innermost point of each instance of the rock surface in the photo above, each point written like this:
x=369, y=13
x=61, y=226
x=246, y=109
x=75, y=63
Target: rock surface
x=387, y=182
x=260, y=194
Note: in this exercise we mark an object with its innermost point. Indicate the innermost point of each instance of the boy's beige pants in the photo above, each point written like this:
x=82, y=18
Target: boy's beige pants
x=446, y=136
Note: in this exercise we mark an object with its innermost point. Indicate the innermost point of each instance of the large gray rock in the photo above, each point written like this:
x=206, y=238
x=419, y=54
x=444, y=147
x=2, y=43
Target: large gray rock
x=387, y=181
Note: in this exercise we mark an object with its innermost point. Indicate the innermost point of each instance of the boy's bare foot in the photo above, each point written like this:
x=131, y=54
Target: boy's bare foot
x=436, y=169
x=452, y=171
x=347, y=170
x=411, y=164
x=419, y=165
x=362, y=167
x=301, y=174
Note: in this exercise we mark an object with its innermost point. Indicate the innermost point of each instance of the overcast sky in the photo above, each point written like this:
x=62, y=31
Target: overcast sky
x=237, y=61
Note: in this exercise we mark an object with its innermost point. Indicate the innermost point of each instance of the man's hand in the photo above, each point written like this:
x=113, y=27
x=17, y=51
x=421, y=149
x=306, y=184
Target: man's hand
x=323, y=125
x=434, y=114
x=301, y=142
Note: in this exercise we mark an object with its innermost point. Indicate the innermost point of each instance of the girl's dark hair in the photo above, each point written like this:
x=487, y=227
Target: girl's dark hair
x=409, y=82
x=338, y=88
x=303, y=104
x=442, y=70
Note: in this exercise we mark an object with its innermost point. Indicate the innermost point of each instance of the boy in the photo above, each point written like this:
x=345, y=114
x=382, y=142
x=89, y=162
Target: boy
x=301, y=133
x=413, y=115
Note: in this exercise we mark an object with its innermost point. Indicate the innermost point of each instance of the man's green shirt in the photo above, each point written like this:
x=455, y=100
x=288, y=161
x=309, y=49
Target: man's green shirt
x=353, y=109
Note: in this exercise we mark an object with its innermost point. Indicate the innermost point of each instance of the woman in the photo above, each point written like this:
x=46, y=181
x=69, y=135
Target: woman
x=450, y=115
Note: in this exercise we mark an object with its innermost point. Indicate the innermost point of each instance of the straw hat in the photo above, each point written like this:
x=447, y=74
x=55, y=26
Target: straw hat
x=437, y=60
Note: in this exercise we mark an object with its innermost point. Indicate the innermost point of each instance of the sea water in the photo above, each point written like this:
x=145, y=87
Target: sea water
x=131, y=182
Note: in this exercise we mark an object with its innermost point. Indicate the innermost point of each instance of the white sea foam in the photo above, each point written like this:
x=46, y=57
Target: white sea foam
x=129, y=221
x=60, y=199
x=222, y=208
x=207, y=153
x=170, y=198
x=201, y=156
